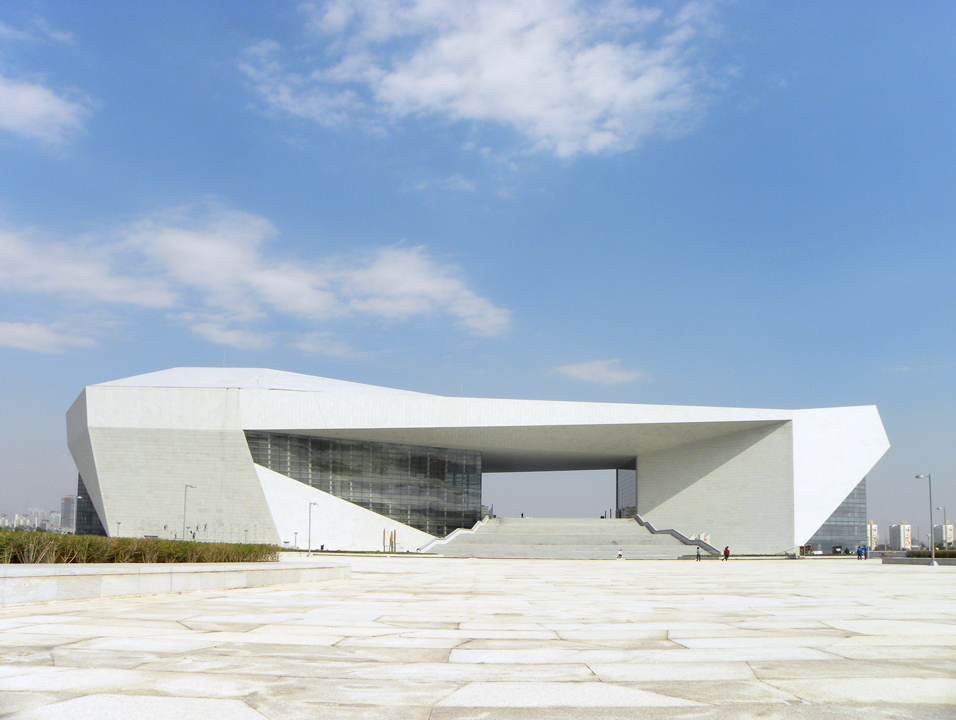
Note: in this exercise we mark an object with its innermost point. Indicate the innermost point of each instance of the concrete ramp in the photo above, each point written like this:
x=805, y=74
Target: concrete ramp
x=570, y=539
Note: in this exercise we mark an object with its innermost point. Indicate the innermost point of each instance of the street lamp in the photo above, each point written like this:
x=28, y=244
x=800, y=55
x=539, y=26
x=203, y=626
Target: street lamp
x=185, y=495
x=309, y=554
x=295, y=540
x=932, y=545
x=118, y=523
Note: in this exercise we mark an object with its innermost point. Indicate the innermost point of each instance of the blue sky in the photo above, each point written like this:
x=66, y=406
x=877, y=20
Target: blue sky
x=703, y=203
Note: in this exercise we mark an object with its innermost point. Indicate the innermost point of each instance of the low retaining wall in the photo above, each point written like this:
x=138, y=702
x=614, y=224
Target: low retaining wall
x=26, y=584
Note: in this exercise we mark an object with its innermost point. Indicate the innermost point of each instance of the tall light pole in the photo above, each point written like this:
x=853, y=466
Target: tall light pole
x=932, y=545
x=185, y=495
x=309, y=554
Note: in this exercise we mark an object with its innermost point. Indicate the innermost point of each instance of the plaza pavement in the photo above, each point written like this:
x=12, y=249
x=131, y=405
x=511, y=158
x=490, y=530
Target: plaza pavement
x=418, y=638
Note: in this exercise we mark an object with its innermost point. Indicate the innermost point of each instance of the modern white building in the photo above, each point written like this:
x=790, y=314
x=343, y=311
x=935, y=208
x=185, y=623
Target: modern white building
x=261, y=455
x=943, y=534
x=901, y=537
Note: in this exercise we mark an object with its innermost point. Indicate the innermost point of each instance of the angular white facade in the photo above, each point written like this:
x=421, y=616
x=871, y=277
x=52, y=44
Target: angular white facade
x=760, y=481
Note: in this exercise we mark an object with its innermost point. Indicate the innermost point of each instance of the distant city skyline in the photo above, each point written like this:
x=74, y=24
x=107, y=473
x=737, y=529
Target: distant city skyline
x=682, y=203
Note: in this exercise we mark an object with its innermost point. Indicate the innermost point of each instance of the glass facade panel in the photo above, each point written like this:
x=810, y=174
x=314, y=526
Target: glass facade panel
x=436, y=490
x=627, y=491
x=87, y=520
x=846, y=527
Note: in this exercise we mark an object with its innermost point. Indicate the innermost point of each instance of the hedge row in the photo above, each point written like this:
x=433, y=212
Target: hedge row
x=925, y=553
x=41, y=547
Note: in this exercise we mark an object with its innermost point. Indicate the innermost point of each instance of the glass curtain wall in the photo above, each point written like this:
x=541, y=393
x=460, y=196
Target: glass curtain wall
x=436, y=490
x=846, y=527
x=87, y=520
x=627, y=490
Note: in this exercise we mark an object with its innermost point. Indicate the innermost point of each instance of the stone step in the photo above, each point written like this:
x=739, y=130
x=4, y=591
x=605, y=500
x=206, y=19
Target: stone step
x=564, y=553
x=566, y=539
x=577, y=538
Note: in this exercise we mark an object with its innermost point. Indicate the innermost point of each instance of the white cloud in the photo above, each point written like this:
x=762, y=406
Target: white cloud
x=605, y=372
x=34, y=111
x=37, y=337
x=323, y=343
x=572, y=77
x=220, y=334
x=31, y=109
x=216, y=270
x=220, y=254
x=397, y=282
x=83, y=270
x=456, y=182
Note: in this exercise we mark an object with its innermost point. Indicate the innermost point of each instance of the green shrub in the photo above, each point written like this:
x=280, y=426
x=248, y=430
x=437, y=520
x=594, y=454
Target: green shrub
x=31, y=547
x=926, y=554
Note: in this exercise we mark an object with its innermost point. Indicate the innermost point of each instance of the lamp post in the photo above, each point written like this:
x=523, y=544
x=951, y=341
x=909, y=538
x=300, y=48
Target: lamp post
x=185, y=495
x=932, y=545
x=295, y=540
x=309, y=554
x=118, y=523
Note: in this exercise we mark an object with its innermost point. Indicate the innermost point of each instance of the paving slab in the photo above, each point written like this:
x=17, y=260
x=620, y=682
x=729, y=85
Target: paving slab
x=429, y=638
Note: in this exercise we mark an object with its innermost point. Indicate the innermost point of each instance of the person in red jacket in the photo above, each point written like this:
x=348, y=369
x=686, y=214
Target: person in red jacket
x=726, y=552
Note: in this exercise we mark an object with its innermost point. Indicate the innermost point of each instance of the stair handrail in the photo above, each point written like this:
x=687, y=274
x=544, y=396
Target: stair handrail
x=676, y=534
x=454, y=533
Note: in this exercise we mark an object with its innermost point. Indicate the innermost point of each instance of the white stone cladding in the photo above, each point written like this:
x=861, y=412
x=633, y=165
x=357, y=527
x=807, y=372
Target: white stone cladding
x=737, y=488
x=759, y=480
x=336, y=524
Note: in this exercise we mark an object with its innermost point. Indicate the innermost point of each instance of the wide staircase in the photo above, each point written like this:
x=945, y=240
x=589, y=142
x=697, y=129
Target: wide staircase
x=578, y=539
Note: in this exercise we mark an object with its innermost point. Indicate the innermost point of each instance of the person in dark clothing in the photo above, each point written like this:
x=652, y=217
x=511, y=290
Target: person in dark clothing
x=726, y=552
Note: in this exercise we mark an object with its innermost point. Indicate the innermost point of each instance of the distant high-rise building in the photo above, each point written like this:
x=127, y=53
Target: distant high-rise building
x=68, y=512
x=872, y=535
x=942, y=534
x=901, y=537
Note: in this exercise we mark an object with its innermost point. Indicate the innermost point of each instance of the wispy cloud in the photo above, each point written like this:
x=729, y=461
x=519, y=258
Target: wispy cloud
x=217, y=270
x=85, y=270
x=39, y=338
x=571, y=77
x=32, y=109
x=323, y=343
x=456, y=182
x=605, y=372
x=36, y=112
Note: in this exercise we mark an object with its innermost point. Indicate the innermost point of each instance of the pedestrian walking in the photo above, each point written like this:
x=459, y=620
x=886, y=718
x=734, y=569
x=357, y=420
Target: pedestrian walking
x=698, y=553
x=726, y=552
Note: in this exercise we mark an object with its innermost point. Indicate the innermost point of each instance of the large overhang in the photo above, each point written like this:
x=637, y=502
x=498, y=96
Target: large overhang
x=698, y=467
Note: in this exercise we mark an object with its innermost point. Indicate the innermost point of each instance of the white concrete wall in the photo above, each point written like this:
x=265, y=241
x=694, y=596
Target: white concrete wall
x=142, y=476
x=833, y=449
x=337, y=524
x=738, y=489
